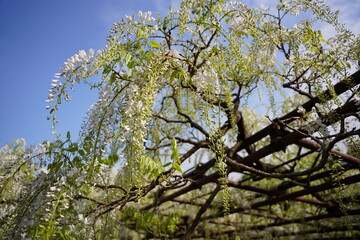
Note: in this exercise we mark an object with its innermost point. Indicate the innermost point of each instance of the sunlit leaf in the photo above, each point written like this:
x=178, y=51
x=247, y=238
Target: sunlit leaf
x=154, y=44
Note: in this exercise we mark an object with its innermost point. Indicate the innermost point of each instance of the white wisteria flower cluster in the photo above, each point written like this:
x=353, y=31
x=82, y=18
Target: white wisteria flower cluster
x=77, y=68
x=82, y=61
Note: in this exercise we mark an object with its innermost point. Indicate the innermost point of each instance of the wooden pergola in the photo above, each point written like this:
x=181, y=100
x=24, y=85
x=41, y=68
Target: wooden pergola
x=311, y=188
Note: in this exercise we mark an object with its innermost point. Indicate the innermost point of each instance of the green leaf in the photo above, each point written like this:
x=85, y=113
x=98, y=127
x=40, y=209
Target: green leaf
x=178, y=73
x=175, y=151
x=306, y=39
x=345, y=64
x=112, y=78
x=155, y=44
x=215, y=50
x=149, y=54
x=72, y=148
x=55, y=166
x=127, y=59
x=87, y=149
x=137, y=45
x=167, y=164
x=81, y=152
x=177, y=167
x=139, y=33
x=85, y=189
x=131, y=64
x=174, y=74
x=77, y=161
x=107, y=69
x=113, y=158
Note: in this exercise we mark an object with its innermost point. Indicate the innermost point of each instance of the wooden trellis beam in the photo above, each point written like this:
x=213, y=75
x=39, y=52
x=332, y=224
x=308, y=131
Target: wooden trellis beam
x=289, y=196
x=339, y=88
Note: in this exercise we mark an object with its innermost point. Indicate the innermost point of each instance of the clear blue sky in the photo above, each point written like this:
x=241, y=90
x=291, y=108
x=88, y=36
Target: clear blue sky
x=38, y=36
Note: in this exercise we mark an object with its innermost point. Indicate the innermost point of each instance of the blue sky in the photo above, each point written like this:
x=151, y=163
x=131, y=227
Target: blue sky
x=38, y=36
